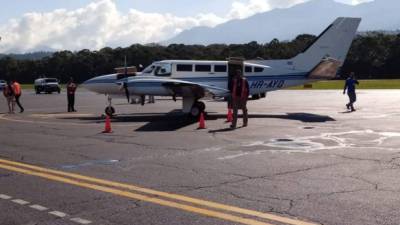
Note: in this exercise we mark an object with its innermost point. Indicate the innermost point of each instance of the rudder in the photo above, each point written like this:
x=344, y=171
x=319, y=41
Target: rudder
x=333, y=42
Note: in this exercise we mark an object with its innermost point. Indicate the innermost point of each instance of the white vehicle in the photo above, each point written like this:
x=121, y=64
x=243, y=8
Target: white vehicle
x=47, y=85
x=2, y=84
x=193, y=80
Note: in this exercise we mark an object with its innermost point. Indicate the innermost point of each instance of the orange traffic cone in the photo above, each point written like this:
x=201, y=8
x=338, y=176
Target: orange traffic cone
x=229, y=117
x=107, y=127
x=202, y=123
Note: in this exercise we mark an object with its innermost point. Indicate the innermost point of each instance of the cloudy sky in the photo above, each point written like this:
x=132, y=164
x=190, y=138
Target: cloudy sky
x=32, y=25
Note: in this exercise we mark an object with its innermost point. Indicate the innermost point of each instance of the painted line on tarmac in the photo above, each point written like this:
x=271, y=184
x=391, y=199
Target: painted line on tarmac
x=154, y=195
x=39, y=207
x=43, y=209
x=81, y=221
x=3, y=117
x=5, y=197
x=58, y=214
x=20, y=201
x=131, y=195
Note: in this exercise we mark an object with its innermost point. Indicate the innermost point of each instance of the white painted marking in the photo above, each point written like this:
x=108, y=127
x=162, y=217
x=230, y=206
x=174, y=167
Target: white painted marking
x=5, y=197
x=81, y=221
x=58, y=214
x=20, y=201
x=39, y=207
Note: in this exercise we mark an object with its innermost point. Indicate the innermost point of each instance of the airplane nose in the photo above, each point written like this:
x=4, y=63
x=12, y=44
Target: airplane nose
x=88, y=83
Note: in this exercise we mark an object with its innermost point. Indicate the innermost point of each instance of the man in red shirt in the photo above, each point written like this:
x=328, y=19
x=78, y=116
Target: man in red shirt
x=240, y=94
x=71, y=88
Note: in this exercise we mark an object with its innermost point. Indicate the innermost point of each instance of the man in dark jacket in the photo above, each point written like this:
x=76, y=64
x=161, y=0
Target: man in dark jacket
x=71, y=88
x=350, y=86
x=240, y=94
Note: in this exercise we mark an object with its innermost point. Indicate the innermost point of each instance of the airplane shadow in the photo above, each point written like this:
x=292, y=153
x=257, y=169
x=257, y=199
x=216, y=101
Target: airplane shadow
x=175, y=120
x=303, y=117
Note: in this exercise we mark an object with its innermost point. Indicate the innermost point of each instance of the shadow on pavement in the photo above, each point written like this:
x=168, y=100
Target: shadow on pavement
x=175, y=119
x=303, y=117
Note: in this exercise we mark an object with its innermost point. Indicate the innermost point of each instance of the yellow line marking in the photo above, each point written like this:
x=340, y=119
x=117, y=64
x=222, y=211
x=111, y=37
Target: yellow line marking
x=140, y=197
x=166, y=195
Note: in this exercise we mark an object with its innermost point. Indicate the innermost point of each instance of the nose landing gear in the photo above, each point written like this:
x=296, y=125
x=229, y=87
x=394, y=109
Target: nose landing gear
x=197, y=108
x=109, y=110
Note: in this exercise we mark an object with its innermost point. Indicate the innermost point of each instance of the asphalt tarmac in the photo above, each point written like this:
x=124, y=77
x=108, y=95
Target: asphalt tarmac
x=303, y=159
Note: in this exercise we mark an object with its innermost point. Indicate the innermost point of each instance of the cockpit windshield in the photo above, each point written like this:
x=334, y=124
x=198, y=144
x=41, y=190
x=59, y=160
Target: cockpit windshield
x=149, y=69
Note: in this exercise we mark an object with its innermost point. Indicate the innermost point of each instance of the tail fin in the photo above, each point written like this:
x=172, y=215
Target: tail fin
x=334, y=42
x=326, y=69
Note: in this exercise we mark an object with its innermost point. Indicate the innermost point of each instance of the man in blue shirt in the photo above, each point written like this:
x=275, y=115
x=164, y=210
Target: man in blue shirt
x=350, y=86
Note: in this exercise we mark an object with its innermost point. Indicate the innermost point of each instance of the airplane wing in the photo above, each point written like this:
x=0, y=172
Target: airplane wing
x=186, y=88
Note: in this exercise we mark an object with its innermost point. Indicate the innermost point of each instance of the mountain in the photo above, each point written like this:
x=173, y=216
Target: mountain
x=285, y=24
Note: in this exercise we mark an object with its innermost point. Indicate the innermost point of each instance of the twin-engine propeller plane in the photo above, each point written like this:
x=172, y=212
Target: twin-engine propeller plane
x=193, y=80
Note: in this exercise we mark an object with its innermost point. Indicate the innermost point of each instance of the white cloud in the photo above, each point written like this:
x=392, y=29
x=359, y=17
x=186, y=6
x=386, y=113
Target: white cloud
x=100, y=24
x=97, y=25
x=242, y=9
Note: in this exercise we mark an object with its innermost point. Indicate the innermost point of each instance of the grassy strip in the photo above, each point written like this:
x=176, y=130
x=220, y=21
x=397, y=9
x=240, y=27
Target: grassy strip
x=364, y=84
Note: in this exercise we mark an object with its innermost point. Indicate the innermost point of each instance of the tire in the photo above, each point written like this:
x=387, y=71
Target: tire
x=109, y=111
x=37, y=91
x=197, y=109
x=201, y=105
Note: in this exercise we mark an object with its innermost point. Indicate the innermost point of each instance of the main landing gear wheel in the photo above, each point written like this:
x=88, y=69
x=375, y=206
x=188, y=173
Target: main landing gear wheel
x=197, y=109
x=109, y=110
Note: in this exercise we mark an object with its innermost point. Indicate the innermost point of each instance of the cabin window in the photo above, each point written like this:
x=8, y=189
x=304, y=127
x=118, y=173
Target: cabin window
x=220, y=68
x=248, y=69
x=184, y=68
x=163, y=70
x=203, y=68
x=258, y=69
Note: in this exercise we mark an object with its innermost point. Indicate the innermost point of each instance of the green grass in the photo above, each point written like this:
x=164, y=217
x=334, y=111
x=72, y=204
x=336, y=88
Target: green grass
x=27, y=86
x=30, y=86
x=364, y=84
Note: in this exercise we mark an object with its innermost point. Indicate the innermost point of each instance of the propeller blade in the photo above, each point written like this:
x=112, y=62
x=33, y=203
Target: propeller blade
x=142, y=99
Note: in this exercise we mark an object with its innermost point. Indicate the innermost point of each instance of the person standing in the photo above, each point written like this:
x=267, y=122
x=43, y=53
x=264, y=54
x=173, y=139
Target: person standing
x=9, y=95
x=17, y=92
x=350, y=86
x=71, y=88
x=240, y=94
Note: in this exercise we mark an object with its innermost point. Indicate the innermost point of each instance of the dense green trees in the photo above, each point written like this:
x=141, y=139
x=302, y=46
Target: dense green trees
x=372, y=55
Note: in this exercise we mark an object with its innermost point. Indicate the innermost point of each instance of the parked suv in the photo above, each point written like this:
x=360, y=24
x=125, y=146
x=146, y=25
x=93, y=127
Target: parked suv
x=47, y=85
x=2, y=84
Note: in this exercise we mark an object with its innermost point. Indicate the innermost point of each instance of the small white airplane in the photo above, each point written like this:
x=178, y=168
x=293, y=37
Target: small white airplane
x=193, y=80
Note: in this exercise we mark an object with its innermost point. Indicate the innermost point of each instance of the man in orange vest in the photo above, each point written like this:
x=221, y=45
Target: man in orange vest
x=71, y=88
x=17, y=92
x=240, y=94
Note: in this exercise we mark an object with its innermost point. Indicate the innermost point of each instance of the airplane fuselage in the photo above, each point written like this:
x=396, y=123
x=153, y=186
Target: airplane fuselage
x=261, y=78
